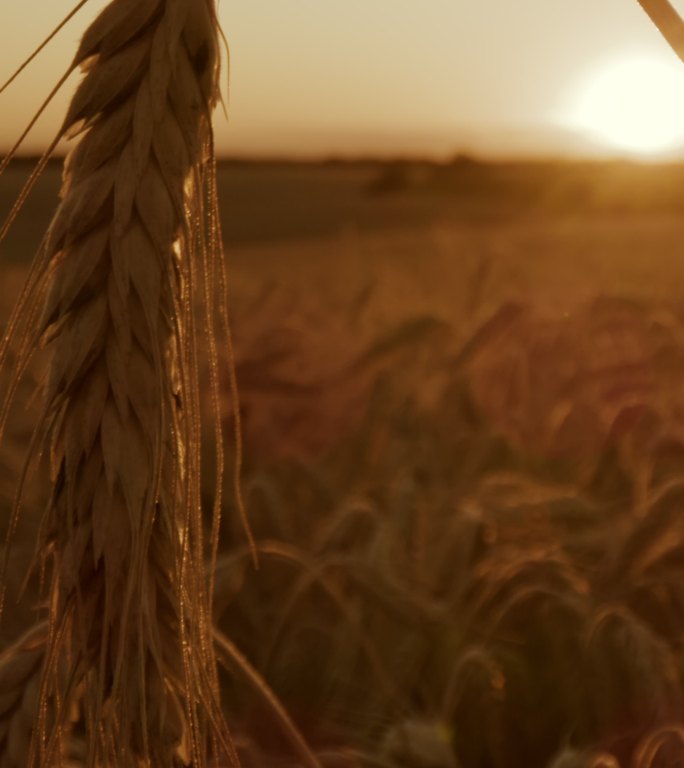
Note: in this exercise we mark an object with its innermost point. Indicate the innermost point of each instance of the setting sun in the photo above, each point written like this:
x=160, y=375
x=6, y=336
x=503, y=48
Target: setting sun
x=633, y=104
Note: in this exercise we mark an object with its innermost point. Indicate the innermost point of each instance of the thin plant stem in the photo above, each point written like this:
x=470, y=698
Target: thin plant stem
x=669, y=23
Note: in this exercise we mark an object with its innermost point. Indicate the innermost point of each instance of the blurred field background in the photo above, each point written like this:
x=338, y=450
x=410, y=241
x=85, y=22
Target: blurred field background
x=463, y=414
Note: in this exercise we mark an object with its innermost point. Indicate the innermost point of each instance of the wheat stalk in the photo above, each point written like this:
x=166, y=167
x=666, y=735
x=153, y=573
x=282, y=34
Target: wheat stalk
x=668, y=21
x=232, y=658
x=123, y=259
x=20, y=674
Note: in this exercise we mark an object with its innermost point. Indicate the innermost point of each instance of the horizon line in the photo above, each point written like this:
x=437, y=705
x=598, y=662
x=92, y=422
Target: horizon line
x=360, y=158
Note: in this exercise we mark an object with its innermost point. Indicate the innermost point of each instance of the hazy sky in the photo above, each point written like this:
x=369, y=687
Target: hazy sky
x=370, y=75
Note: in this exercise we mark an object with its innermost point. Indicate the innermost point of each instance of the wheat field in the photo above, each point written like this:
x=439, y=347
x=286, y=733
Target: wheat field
x=462, y=472
x=458, y=442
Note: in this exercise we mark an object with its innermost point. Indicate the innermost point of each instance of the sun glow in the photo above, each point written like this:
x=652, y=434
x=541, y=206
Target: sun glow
x=632, y=104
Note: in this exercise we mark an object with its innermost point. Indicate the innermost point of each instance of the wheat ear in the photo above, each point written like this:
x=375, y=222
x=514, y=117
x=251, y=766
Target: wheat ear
x=120, y=265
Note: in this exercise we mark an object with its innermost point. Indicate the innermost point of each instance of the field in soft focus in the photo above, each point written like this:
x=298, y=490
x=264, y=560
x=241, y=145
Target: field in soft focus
x=463, y=414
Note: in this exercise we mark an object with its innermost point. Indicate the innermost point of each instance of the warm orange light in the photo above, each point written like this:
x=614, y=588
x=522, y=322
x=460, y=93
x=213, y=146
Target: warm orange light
x=633, y=104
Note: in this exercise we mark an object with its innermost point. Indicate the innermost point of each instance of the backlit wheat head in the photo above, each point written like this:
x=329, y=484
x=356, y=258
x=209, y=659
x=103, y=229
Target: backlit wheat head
x=133, y=242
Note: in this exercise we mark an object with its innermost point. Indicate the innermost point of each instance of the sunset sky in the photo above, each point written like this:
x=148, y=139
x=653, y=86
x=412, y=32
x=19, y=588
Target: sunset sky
x=384, y=76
